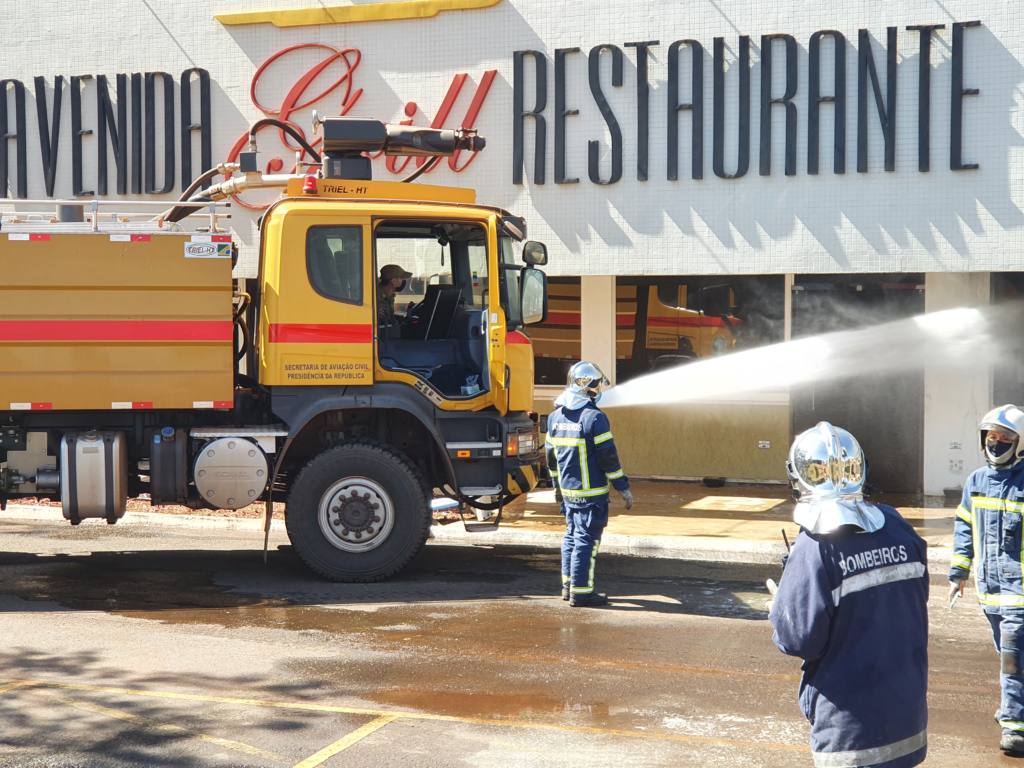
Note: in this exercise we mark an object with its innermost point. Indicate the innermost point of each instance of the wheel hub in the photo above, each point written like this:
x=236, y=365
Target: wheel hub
x=356, y=514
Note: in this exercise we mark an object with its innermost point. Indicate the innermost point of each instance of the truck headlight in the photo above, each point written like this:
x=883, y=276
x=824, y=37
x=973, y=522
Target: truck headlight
x=522, y=443
x=527, y=443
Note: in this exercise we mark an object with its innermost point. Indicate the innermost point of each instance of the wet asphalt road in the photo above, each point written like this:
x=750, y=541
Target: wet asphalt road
x=159, y=646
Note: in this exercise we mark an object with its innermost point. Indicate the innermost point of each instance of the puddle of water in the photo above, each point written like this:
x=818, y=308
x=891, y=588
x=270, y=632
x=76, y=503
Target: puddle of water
x=87, y=588
x=497, y=706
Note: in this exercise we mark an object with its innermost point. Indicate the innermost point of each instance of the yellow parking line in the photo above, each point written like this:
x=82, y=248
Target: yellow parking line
x=15, y=684
x=237, y=746
x=295, y=705
x=427, y=716
x=345, y=742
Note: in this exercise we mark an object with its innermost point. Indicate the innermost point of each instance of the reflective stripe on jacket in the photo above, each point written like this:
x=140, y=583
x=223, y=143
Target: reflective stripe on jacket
x=853, y=606
x=987, y=536
x=582, y=456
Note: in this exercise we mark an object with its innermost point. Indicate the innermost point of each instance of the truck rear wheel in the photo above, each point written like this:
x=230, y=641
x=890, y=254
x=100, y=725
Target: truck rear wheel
x=358, y=512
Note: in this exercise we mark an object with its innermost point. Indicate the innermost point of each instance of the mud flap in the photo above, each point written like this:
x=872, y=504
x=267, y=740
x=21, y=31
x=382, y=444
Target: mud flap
x=479, y=526
x=268, y=515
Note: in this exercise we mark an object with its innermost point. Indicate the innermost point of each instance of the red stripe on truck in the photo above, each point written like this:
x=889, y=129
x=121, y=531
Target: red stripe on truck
x=115, y=330
x=320, y=333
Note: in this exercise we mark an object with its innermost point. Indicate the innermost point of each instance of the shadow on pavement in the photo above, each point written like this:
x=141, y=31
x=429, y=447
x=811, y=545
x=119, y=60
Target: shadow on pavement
x=52, y=724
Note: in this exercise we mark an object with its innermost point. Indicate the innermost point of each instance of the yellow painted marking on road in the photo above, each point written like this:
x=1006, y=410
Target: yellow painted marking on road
x=14, y=685
x=345, y=742
x=352, y=14
x=427, y=716
x=119, y=714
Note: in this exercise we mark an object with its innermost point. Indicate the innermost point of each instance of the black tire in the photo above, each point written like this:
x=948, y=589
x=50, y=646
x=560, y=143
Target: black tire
x=333, y=496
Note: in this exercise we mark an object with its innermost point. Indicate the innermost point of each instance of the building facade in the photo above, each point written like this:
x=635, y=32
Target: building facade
x=789, y=168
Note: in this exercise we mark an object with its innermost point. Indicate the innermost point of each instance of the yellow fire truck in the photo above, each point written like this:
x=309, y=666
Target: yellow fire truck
x=654, y=328
x=132, y=363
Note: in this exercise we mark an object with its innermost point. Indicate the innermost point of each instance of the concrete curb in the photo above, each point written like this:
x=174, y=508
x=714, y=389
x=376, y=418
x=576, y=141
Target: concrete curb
x=672, y=547
x=54, y=514
x=669, y=547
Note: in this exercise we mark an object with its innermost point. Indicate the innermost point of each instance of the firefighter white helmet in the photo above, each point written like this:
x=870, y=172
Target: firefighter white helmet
x=585, y=378
x=1000, y=433
x=827, y=470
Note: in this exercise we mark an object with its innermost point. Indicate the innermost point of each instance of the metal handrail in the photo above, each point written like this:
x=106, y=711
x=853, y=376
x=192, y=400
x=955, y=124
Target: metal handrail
x=113, y=217
x=98, y=201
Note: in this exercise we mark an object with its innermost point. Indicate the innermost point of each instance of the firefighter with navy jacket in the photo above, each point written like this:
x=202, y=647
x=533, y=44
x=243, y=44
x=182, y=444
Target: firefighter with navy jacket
x=583, y=463
x=852, y=603
x=987, y=538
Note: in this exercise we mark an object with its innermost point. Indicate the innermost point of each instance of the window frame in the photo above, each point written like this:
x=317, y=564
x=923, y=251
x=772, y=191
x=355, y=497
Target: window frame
x=357, y=302
x=388, y=219
x=507, y=300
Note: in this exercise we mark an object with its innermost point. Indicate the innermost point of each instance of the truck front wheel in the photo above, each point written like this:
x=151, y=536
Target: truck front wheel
x=358, y=512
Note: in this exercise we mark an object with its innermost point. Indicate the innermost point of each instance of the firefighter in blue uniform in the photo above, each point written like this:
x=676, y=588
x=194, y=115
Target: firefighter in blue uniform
x=987, y=537
x=852, y=603
x=583, y=462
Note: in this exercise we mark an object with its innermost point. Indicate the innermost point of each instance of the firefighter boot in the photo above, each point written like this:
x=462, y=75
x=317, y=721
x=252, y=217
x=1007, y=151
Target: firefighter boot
x=566, y=592
x=588, y=600
x=1012, y=743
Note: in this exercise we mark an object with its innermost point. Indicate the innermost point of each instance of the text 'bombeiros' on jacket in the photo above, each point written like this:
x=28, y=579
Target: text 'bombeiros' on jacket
x=987, y=537
x=853, y=606
x=581, y=455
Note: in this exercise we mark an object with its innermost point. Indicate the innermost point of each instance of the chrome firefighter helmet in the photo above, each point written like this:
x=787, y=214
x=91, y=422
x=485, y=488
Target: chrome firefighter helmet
x=1000, y=434
x=585, y=378
x=826, y=460
x=827, y=470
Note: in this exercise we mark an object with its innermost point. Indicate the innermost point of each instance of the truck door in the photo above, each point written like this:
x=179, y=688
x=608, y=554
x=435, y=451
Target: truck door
x=503, y=289
x=316, y=325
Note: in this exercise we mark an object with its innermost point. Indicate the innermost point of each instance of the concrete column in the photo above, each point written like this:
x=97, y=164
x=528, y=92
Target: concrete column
x=953, y=402
x=597, y=321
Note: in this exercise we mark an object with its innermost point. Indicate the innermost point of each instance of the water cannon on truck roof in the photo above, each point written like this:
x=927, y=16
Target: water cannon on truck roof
x=132, y=363
x=346, y=142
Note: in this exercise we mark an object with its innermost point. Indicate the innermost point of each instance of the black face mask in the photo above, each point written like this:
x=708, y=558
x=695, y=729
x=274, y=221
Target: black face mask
x=998, y=448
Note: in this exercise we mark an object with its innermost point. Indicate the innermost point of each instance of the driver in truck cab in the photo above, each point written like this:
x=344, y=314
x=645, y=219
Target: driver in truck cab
x=392, y=281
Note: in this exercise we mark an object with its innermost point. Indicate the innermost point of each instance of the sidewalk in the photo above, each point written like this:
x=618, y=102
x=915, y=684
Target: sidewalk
x=736, y=523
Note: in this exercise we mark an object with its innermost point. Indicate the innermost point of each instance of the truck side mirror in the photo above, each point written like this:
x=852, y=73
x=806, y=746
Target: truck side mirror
x=535, y=254
x=533, y=295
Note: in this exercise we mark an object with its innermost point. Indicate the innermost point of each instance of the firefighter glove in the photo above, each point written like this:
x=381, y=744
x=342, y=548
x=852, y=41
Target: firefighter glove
x=956, y=591
x=627, y=498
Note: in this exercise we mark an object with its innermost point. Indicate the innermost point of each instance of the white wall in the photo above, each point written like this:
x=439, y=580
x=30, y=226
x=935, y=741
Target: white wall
x=876, y=221
x=953, y=403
